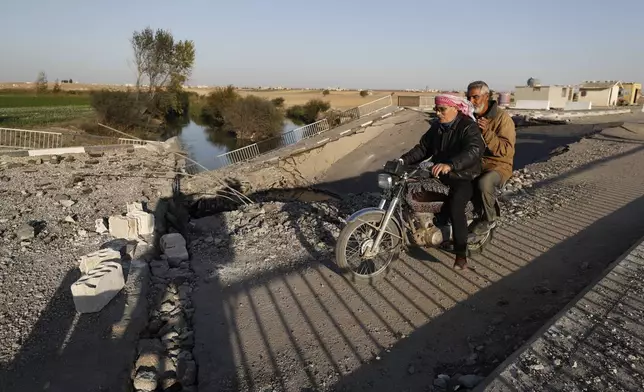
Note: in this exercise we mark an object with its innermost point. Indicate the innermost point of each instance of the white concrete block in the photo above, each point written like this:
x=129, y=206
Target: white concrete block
x=578, y=106
x=173, y=246
x=89, y=261
x=136, y=206
x=96, y=289
x=532, y=104
x=144, y=221
x=123, y=227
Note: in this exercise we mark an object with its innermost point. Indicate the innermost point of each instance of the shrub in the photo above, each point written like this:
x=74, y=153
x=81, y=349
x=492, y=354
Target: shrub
x=308, y=113
x=118, y=108
x=278, y=102
x=253, y=118
x=56, y=89
x=216, y=103
x=364, y=93
x=326, y=92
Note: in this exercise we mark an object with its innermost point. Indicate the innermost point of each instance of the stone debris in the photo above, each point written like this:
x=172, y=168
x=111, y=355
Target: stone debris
x=136, y=223
x=97, y=288
x=173, y=247
x=26, y=232
x=100, y=226
x=37, y=260
x=166, y=345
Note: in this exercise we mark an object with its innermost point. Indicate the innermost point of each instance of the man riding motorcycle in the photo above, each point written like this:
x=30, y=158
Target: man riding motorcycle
x=456, y=147
x=499, y=134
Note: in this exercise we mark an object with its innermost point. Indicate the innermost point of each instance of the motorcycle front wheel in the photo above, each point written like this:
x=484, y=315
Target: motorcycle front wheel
x=357, y=237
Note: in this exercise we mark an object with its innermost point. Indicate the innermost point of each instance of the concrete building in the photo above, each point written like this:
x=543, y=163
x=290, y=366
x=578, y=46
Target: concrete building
x=557, y=95
x=630, y=93
x=600, y=93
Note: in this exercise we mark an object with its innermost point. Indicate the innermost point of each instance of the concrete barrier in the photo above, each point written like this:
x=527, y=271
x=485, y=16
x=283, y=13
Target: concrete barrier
x=578, y=106
x=532, y=104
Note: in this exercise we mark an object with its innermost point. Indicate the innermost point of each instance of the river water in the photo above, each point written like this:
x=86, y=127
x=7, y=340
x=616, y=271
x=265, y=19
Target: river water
x=204, y=144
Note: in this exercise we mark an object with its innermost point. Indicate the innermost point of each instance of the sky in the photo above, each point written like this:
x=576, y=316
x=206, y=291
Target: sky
x=350, y=43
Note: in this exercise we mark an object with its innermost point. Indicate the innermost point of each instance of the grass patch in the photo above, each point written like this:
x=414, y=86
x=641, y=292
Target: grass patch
x=42, y=115
x=45, y=100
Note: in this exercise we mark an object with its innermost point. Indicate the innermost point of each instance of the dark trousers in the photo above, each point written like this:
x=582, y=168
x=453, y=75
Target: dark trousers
x=484, y=200
x=460, y=192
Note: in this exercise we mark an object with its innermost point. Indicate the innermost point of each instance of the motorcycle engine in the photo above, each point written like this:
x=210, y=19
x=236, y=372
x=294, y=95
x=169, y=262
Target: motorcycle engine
x=431, y=236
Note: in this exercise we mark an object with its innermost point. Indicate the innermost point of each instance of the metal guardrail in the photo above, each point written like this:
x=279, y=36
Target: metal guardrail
x=333, y=120
x=239, y=155
x=374, y=106
x=27, y=139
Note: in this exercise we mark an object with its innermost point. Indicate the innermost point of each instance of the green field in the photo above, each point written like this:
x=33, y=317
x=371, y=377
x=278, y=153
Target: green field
x=24, y=100
x=28, y=110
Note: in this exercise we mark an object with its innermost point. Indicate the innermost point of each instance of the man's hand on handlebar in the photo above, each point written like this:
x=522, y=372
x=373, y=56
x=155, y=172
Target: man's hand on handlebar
x=440, y=169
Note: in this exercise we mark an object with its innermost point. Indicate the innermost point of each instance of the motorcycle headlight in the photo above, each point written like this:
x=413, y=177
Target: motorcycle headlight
x=384, y=181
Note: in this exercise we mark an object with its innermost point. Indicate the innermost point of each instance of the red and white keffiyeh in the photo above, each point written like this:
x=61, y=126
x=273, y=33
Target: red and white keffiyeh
x=461, y=104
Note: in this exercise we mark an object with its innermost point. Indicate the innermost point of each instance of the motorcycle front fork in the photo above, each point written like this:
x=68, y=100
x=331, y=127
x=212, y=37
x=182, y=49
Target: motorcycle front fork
x=375, y=247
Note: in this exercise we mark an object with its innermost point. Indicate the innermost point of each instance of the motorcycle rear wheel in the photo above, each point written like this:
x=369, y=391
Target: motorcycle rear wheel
x=357, y=236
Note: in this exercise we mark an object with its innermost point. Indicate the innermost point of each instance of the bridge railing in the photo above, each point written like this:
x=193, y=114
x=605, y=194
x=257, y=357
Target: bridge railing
x=27, y=139
x=238, y=155
x=374, y=106
x=332, y=120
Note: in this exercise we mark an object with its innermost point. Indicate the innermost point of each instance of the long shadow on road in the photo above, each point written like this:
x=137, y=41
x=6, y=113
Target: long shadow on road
x=307, y=328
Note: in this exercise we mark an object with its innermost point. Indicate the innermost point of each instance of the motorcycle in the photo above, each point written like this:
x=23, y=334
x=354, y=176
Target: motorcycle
x=375, y=236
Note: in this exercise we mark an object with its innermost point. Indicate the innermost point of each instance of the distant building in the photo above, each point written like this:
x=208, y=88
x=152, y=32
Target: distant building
x=600, y=93
x=630, y=93
x=557, y=95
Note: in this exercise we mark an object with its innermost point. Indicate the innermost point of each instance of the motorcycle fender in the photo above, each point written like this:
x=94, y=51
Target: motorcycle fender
x=362, y=212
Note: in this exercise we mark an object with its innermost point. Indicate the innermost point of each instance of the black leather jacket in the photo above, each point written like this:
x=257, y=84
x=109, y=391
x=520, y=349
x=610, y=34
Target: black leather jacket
x=461, y=146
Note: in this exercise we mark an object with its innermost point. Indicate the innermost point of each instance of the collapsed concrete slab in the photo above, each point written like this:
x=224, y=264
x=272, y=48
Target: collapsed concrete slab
x=89, y=261
x=97, y=288
x=173, y=246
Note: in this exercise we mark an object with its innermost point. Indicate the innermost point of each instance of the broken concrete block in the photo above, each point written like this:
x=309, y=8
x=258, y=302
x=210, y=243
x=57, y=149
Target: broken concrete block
x=133, y=207
x=91, y=260
x=144, y=221
x=96, y=289
x=100, y=226
x=173, y=247
x=123, y=227
x=123, y=246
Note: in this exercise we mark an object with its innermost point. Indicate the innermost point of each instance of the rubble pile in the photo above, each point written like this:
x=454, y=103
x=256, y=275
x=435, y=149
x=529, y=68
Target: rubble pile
x=264, y=236
x=165, y=360
x=49, y=209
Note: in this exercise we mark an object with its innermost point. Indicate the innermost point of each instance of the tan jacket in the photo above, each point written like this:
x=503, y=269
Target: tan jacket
x=500, y=138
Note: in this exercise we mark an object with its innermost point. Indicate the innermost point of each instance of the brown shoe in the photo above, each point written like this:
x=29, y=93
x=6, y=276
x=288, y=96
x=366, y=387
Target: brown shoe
x=460, y=263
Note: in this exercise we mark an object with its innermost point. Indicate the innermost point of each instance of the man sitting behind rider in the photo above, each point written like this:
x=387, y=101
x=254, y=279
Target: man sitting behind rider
x=500, y=137
x=455, y=145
